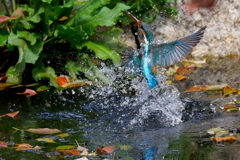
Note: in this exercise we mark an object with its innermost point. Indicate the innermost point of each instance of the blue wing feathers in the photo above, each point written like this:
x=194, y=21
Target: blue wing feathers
x=169, y=53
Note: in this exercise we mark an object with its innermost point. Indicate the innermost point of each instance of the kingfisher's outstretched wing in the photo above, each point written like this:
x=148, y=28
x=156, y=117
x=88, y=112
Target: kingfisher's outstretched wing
x=167, y=54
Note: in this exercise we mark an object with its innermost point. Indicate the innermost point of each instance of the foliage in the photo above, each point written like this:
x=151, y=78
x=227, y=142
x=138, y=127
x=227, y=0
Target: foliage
x=50, y=38
x=37, y=30
x=149, y=8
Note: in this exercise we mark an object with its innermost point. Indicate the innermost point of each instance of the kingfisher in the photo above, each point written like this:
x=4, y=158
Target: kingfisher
x=151, y=54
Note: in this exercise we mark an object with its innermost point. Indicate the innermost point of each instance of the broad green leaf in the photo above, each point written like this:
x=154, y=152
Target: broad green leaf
x=86, y=66
x=110, y=38
x=30, y=37
x=103, y=52
x=105, y=17
x=3, y=36
x=27, y=53
x=13, y=77
x=45, y=73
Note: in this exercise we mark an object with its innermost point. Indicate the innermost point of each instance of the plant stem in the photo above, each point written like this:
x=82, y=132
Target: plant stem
x=13, y=5
x=6, y=8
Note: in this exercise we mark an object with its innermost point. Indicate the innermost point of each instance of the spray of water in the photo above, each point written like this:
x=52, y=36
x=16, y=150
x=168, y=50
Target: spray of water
x=128, y=103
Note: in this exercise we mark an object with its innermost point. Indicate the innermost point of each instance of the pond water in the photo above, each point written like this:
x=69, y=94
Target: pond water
x=152, y=124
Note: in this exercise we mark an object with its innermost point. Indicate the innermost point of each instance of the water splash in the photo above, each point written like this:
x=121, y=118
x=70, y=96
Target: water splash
x=129, y=103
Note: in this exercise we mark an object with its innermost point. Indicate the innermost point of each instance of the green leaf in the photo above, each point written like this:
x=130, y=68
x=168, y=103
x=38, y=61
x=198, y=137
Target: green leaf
x=3, y=36
x=47, y=1
x=27, y=53
x=45, y=73
x=30, y=37
x=110, y=38
x=86, y=66
x=65, y=147
x=13, y=77
x=103, y=52
x=105, y=17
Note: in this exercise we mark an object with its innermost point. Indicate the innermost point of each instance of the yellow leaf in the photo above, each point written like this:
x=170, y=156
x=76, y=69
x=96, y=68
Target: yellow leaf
x=62, y=135
x=216, y=87
x=228, y=90
x=65, y=147
x=49, y=140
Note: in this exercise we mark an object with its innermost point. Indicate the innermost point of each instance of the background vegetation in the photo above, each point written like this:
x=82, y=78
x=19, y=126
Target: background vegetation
x=42, y=40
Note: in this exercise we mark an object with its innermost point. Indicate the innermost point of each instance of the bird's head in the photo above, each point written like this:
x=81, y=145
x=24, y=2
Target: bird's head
x=144, y=29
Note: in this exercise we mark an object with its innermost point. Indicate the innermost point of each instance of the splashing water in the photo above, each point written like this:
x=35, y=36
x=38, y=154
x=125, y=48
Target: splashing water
x=129, y=104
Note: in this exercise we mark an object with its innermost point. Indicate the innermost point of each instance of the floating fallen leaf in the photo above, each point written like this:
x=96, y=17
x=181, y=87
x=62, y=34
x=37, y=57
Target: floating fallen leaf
x=29, y=92
x=49, y=140
x=43, y=131
x=12, y=114
x=221, y=139
x=215, y=87
x=180, y=77
x=23, y=145
x=5, y=85
x=191, y=64
x=75, y=84
x=183, y=71
x=100, y=151
x=108, y=149
x=230, y=55
x=230, y=106
x=3, y=144
x=214, y=130
x=196, y=88
x=62, y=80
x=171, y=71
x=43, y=88
x=64, y=147
x=168, y=82
x=37, y=147
x=228, y=90
x=62, y=135
x=69, y=152
x=84, y=153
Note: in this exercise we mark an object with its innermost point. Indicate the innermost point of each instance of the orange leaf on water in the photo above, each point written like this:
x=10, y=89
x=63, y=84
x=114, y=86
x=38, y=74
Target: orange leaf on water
x=69, y=152
x=24, y=145
x=43, y=131
x=180, y=77
x=228, y=90
x=108, y=149
x=221, y=139
x=229, y=106
x=3, y=144
x=196, y=88
x=182, y=70
x=62, y=80
x=100, y=151
x=29, y=92
x=12, y=114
